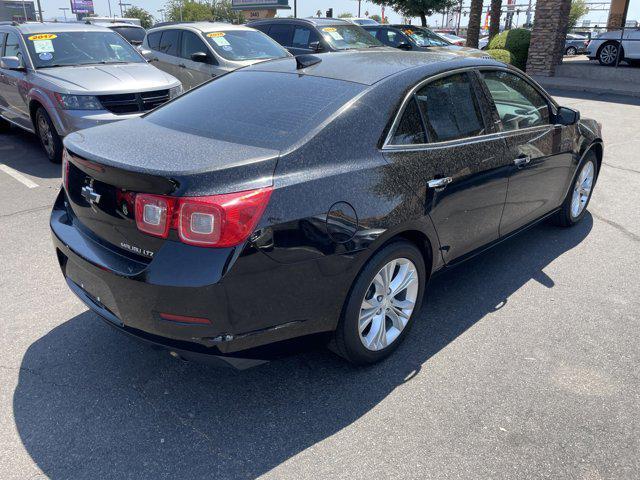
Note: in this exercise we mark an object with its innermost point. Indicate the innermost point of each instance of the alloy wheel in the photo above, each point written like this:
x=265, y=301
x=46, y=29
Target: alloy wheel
x=582, y=189
x=571, y=51
x=609, y=54
x=388, y=304
x=46, y=136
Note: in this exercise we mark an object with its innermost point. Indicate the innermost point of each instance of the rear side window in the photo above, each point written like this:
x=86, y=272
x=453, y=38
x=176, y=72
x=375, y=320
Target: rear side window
x=169, y=42
x=302, y=37
x=518, y=103
x=153, y=39
x=256, y=102
x=445, y=109
x=281, y=33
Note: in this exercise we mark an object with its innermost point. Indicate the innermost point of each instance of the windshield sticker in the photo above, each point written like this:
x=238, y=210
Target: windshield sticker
x=43, y=46
x=43, y=36
x=221, y=41
x=329, y=29
x=227, y=48
x=335, y=35
x=45, y=56
x=215, y=34
x=408, y=32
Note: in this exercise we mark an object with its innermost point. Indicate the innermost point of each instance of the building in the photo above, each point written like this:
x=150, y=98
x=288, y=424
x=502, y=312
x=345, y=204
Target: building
x=16, y=10
x=256, y=9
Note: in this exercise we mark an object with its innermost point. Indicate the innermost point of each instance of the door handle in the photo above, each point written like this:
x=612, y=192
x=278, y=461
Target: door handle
x=522, y=161
x=439, y=183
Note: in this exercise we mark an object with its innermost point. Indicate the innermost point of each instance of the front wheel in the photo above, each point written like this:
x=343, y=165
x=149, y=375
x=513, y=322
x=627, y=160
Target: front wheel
x=575, y=205
x=382, y=304
x=571, y=51
x=49, y=138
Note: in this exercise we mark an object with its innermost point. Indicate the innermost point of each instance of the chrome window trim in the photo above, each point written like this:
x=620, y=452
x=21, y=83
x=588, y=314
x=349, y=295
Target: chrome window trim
x=388, y=146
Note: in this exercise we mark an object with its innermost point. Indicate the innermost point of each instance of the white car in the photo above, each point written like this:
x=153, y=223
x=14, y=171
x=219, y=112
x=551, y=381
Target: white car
x=606, y=47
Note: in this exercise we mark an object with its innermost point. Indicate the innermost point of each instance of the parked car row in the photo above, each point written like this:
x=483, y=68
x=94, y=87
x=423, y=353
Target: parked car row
x=56, y=78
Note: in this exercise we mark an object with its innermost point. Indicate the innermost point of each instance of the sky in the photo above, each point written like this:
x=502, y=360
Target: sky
x=309, y=7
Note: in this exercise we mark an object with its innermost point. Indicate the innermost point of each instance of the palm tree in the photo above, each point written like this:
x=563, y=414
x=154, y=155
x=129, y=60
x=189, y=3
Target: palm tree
x=473, y=30
x=494, y=25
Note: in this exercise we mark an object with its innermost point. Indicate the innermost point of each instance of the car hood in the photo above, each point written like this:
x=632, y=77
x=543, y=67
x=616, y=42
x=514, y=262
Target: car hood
x=108, y=79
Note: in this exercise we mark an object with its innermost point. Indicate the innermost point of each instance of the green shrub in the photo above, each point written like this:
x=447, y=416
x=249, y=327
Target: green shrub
x=515, y=41
x=501, y=55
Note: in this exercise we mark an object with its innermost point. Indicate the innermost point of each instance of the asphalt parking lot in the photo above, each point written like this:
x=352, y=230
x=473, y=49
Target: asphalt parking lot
x=524, y=363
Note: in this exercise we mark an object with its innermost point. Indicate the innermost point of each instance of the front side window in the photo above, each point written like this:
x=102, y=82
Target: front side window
x=12, y=48
x=390, y=37
x=347, y=37
x=281, y=33
x=445, y=109
x=191, y=44
x=239, y=45
x=302, y=37
x=518, y=103
x=63, y=49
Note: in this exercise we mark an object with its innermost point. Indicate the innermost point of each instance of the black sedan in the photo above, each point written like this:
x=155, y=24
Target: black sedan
x=312, y=197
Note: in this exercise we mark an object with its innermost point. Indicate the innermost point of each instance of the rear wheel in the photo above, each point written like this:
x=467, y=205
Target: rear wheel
x=571, y=51
x=382, y=304
x=575, y=205
x=49, y=138
x=608, y=54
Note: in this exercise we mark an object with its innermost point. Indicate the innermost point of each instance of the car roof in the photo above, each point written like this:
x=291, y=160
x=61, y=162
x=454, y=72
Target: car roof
x=117, y=24
x=53, y=27
x=205, y=27
x=372, y=65
x=308, y=21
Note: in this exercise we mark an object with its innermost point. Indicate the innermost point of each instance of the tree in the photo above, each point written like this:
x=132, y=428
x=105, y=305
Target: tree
x=475, y=17
x=494, y=24
x=418, y=8
x=375, y=17
x=578, y=10
x=146, y=19
x=193, y=11
x=345, y=15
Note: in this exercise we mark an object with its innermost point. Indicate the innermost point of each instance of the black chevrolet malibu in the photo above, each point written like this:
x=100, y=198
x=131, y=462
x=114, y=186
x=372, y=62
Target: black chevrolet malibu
x=310, y=196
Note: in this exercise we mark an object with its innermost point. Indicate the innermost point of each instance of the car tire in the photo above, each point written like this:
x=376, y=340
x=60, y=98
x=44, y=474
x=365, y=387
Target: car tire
x=608, y=53
x=48, y=135
x=574, y=207
x=368, y=306
x=571, y=51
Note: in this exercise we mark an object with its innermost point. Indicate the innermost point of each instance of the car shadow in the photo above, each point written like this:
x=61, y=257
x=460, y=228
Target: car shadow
x=91, y=403
x=22, y=151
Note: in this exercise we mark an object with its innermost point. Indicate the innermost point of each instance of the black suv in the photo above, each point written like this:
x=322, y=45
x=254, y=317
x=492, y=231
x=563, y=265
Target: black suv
x=311, y=35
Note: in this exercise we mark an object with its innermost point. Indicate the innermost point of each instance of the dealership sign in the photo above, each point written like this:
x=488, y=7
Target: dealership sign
x=259, y=4
x=82, y=6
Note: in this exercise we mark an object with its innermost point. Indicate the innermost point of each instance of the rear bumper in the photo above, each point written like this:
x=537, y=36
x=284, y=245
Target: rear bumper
x=255, y=306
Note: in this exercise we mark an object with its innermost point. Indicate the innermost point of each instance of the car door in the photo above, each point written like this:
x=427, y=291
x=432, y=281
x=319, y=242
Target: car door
x=193, y=72
x=302, y=39
x=13, y=85
x=540, y=152
x=167, y=55
x=446, y=148
x=631, y=43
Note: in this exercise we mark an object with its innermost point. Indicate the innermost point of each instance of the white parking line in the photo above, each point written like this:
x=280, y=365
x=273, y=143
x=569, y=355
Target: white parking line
x=18, y=176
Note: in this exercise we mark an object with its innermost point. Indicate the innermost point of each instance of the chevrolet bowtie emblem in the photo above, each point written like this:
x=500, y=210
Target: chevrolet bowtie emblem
x=89, y=194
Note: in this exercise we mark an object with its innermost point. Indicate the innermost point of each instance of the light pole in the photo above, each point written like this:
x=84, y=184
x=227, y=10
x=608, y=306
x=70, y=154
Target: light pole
x=109, y=3
x=64, y=10
x=161, y=12
x=125, y=9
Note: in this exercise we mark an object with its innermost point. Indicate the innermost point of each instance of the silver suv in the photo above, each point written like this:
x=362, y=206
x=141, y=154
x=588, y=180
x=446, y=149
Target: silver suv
x=196, y=52
x=57, y=78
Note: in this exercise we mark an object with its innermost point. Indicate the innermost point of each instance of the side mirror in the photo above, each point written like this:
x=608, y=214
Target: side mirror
x=148, y=55
x=567, y=116
x=12, y=63
x=316, y=46
x=404, y=46
x=200, y=57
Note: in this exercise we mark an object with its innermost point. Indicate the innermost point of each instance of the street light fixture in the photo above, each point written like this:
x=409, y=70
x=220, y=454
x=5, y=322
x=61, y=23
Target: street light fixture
x=64, y=10
x=125, y=9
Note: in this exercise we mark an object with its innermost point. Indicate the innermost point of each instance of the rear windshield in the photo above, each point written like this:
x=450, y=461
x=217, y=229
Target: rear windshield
x=133, y=35
x=61, y=49
x=241, y=45
x=255, y=108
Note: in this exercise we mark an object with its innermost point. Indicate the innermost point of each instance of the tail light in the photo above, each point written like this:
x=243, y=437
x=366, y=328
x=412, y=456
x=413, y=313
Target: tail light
x=213, y=221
